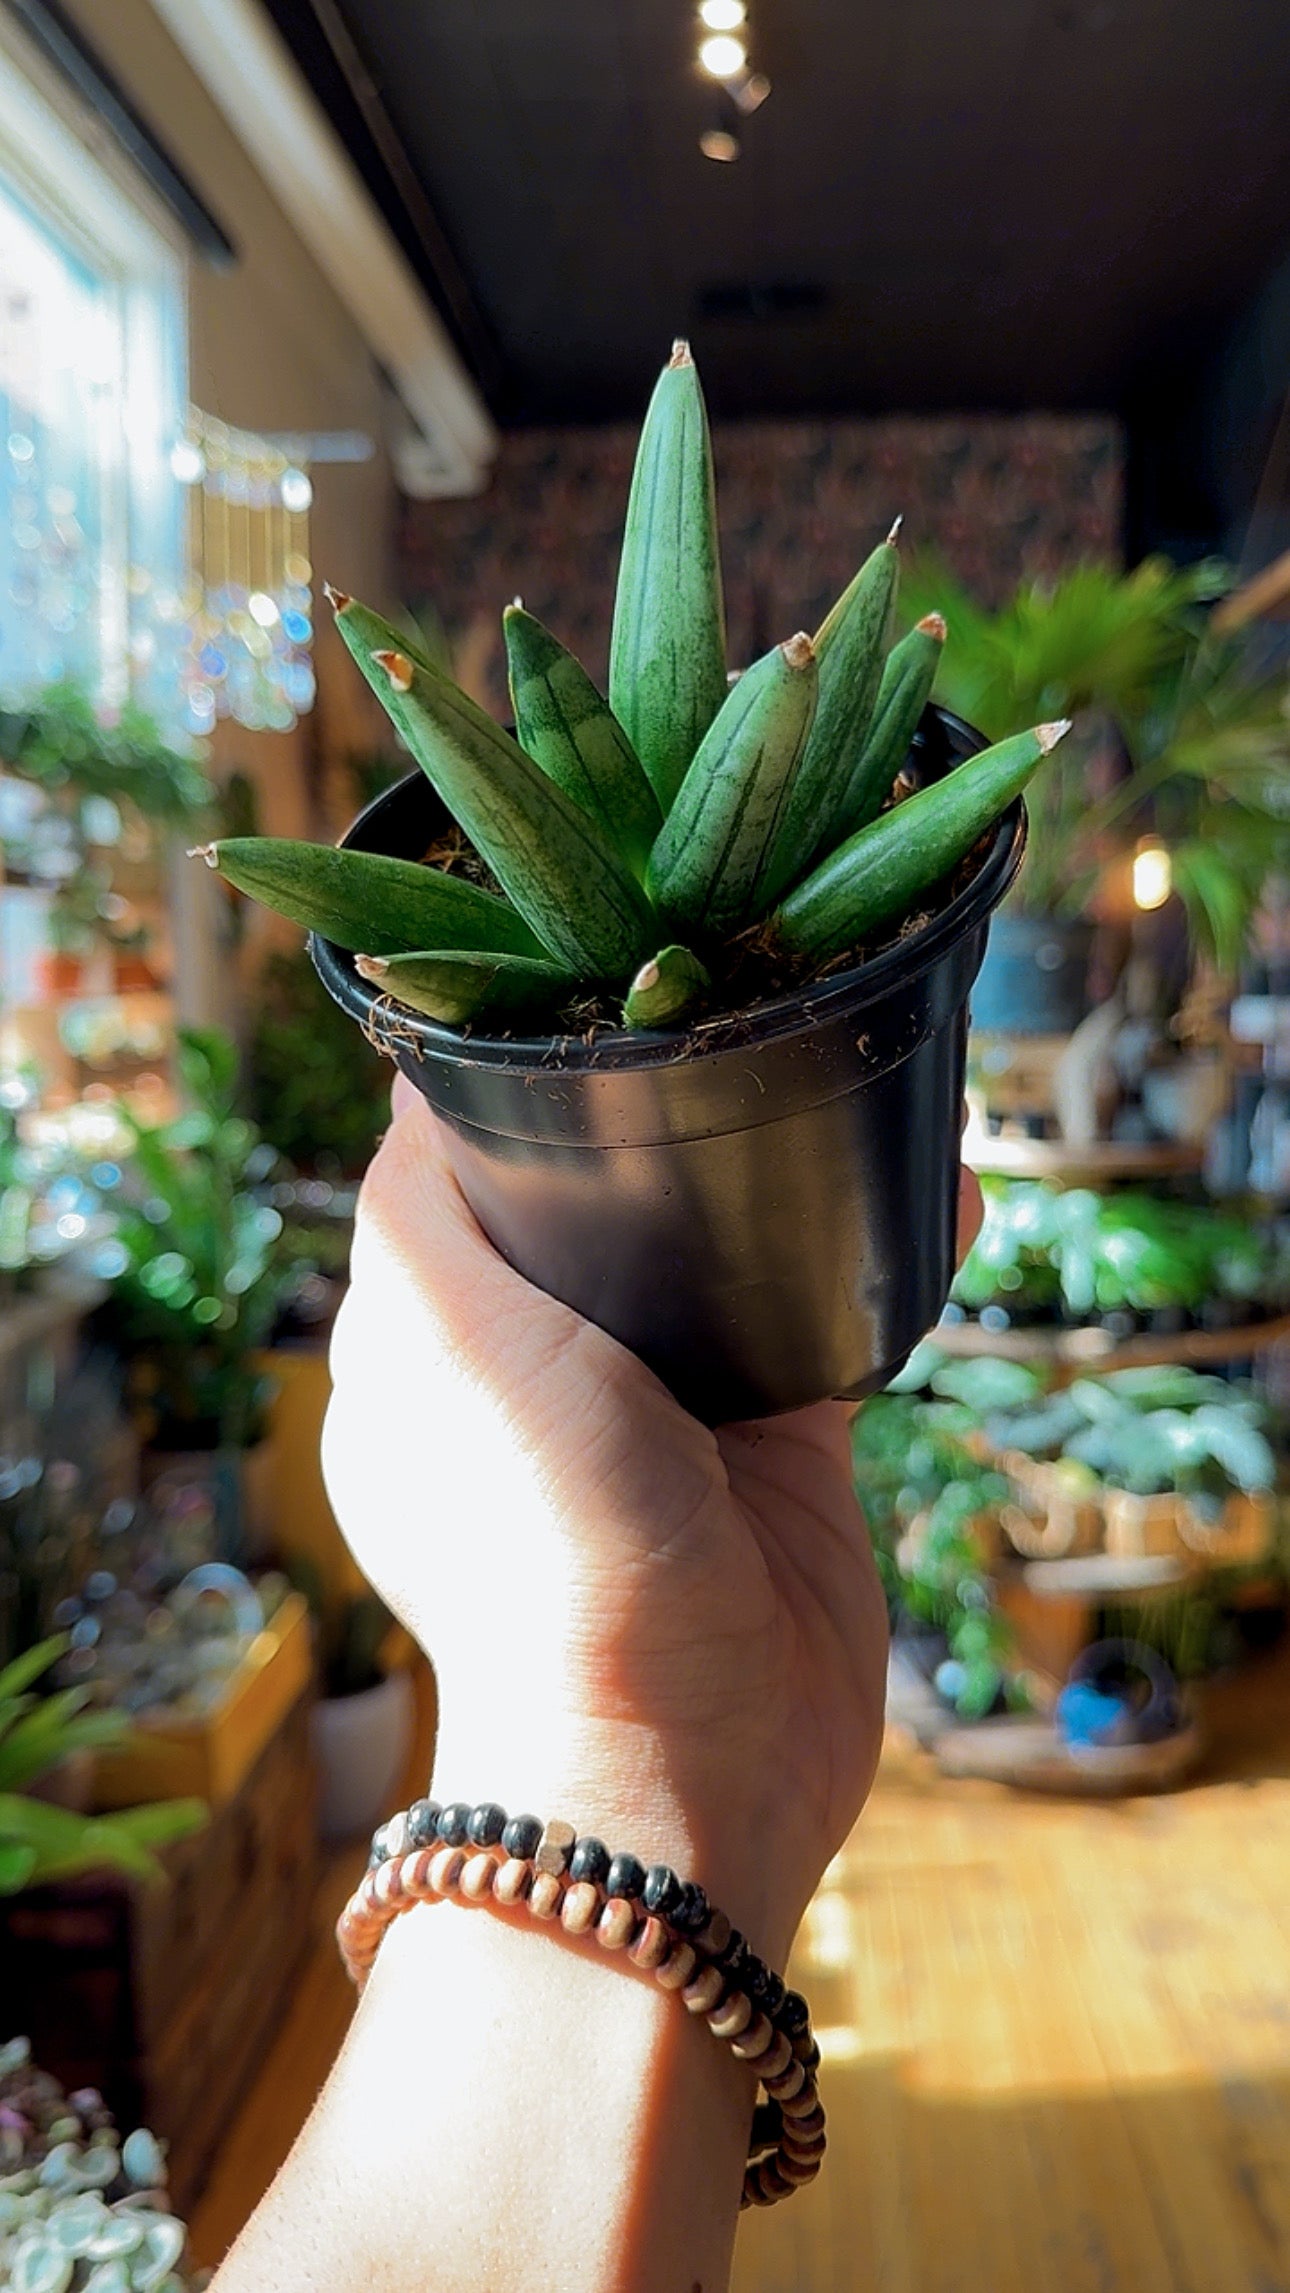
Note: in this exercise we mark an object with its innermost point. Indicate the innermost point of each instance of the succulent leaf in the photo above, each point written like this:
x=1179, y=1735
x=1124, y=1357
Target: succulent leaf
x=665, y=989
x=880, y=872
x=907, y=680
x=710, y=869
x=568, y=728
x=849, y=645
x=363, y=899
x=552, y=861
x=365, y=627
x=667, y=661
x=455, y=985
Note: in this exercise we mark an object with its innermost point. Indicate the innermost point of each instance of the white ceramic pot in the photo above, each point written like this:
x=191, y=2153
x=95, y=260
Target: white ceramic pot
x=361, y=1745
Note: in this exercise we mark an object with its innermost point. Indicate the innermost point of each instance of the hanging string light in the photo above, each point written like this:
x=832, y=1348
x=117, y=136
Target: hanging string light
x=247, y=607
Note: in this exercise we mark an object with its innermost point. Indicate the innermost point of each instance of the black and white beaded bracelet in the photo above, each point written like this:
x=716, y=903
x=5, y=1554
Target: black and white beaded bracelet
x=666, y=1926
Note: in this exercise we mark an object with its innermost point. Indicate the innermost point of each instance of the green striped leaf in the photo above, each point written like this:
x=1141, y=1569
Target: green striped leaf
x=376, y=634
x=882, y=871
x=568, y=728
x=665, y=989
x=552, y=861
x=708, y=872
x=667, y=660
x=364, y=900
x=903, y=694
x=850, y=645
x=456, y=986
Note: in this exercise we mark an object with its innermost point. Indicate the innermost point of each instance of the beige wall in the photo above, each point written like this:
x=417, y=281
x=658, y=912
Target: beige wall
x=271, y=348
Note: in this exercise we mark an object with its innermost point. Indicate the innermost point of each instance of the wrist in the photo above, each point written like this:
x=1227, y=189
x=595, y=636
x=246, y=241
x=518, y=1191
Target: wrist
x=618, y=1783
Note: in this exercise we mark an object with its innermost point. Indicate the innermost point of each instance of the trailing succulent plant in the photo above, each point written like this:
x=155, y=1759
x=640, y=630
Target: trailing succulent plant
x=81, y=2209
x=634, y=837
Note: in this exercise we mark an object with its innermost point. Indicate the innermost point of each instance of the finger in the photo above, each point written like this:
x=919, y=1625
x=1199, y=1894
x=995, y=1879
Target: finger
x=971, y=1210
x=403, y=1094
x=458, y=1331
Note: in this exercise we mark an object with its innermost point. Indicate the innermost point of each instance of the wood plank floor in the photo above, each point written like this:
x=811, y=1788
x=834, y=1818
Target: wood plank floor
x=1057, y=2040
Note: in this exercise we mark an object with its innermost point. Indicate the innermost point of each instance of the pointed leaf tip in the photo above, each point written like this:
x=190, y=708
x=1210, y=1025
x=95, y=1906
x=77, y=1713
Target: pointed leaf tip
x=798, y=651
x=207, y=852
x=933, y=625
x=338, y=599
x=1049, y=735
x=681, y=353
x=398, y=669
x=891, y=538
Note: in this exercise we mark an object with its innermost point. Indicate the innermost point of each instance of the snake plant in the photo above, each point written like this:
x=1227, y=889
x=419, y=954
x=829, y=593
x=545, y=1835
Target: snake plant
x=630, y=839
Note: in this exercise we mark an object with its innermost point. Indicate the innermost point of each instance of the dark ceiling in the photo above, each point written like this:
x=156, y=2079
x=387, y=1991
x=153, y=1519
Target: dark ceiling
x=943, y=203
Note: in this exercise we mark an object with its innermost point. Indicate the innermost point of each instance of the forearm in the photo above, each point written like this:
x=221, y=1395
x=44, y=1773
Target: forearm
x=509, y=2109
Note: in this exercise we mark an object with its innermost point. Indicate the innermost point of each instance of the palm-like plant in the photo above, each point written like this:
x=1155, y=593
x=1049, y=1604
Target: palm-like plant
x=1200, y=726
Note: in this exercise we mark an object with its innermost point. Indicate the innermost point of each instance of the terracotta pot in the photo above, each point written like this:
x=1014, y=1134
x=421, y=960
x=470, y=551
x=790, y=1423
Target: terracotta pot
x=60, y=974
x=1138, y=1528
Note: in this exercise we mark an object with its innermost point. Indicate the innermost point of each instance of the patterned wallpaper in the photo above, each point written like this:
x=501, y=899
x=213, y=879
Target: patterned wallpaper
x=800, y=504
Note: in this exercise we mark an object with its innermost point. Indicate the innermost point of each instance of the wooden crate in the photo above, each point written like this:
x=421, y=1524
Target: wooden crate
x=208, y=1754
x=164, y=1997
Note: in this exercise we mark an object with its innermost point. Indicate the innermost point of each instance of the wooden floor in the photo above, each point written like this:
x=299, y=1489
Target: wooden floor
x=1057, y=2040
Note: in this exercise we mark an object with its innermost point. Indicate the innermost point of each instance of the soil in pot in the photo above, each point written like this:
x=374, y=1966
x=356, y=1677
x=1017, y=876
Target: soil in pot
x=763, y=1208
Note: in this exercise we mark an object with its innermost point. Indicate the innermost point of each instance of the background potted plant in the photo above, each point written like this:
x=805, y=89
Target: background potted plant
x=748, y=964
x=95, y=779
x=362, y=1722
x=1181, y=735
x=85, y=2209
x=198, y=1279
x=41, y=1840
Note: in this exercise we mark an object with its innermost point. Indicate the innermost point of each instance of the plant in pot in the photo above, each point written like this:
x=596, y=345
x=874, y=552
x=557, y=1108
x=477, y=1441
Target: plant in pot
x=1044, y=1253
x=42, y=1840
x=1190, y=730
x=687, y=979
x=197, y=1279
x=926, y=1496
x=313, y=1087
x=99, y=781
x=83, y=2208
x=362, y=1722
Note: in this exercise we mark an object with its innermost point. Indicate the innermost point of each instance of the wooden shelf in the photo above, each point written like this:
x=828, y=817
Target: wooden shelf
x=1091, y=1348
x=1103, y=1576
x=1094, y=1165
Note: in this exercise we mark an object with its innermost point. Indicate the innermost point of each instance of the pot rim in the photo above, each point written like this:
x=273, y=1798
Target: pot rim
x=615, y=1049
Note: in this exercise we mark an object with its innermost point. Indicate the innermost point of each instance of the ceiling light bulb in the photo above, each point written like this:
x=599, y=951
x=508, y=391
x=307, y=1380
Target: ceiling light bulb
x=722, y=57
x=716, y=143
x=722, y=15
x=1153, y=876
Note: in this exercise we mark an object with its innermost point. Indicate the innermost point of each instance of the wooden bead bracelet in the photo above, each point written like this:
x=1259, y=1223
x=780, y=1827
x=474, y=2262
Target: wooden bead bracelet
x=667, y=1927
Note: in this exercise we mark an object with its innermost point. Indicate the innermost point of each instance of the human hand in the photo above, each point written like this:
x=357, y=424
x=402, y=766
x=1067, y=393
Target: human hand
x=674, y=1638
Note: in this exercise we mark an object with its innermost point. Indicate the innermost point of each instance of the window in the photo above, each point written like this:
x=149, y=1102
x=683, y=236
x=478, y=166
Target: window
x=92, y=394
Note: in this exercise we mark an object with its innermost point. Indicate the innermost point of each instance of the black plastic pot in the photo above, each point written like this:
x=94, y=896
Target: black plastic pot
x=767, y=1221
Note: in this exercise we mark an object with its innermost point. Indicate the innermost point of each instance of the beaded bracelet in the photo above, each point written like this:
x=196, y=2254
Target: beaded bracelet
x=666, y=1926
